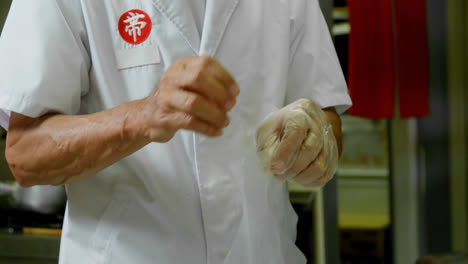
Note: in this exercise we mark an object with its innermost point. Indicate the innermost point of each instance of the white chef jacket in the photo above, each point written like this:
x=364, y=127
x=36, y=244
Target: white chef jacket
x=193, y=199
x=197, y=7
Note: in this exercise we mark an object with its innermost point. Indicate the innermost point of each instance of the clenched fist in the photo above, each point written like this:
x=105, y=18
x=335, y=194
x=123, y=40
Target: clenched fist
x=298, y=143
x=195, y=93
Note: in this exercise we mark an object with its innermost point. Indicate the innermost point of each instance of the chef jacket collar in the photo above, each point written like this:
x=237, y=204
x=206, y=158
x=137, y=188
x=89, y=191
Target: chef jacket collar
x=217, y=16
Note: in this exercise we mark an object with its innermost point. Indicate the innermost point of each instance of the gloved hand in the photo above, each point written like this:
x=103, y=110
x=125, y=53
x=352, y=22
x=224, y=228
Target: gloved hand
x=297, y=143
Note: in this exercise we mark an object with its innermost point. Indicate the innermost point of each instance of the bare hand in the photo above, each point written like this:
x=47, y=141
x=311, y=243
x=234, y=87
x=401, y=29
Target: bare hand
x=196, y=94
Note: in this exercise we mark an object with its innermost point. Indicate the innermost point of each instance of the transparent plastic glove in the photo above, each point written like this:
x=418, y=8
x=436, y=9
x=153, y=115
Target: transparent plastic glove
x=297, y=143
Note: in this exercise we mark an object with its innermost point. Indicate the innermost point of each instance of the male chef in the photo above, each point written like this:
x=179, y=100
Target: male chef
x=174, y=124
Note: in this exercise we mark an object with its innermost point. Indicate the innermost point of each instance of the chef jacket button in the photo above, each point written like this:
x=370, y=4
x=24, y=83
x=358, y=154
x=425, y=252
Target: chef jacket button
x=222, y=255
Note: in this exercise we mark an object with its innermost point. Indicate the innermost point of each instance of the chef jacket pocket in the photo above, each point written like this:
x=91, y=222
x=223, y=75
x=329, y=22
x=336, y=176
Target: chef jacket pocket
x=140, y=68
x=107, y=230
x=138, y=56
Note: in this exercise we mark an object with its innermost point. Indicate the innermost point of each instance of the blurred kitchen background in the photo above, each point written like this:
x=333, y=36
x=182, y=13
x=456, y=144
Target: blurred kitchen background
x=400, y=194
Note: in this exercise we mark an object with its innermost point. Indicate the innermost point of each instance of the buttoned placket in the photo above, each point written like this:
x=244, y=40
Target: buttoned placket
x=220, y=201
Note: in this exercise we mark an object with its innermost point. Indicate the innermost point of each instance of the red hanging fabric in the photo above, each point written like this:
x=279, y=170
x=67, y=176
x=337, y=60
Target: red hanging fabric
x=413, y=58
x=381, y=60
x=371, y=59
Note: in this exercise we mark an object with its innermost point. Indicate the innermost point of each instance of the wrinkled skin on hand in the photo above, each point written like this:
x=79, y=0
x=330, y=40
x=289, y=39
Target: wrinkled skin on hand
x=297, y=143
x=195, y=93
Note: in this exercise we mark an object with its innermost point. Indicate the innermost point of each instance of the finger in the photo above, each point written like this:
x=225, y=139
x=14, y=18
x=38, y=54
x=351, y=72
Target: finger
x=328, y=161
x=192, y=67
x=223, y=76
x=313, y=111
x=314, y=172
x=209, y=87
x=182, y=120
x=196, y=105
x=293, y=135
x=308, y=152
x=268, y=133
x=266, y=154
x=320, y=181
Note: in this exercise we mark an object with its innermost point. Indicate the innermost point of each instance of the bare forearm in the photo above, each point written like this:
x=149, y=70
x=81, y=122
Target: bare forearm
x=58, y=149
x=194, y=94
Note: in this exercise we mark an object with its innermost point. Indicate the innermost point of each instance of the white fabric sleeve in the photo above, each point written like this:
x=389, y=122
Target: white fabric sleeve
x=44, y=63
x=314, y=70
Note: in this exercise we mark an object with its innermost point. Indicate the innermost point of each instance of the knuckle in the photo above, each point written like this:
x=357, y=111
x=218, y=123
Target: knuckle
x=197, y=77
x=206, y=61
x=182, y=62
x=179, y=61
x=164, y=81
x=189, y=121
x=191, y=102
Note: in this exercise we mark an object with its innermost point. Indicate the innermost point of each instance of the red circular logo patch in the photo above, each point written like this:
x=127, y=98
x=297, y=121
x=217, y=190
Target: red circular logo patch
x=135, y=26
